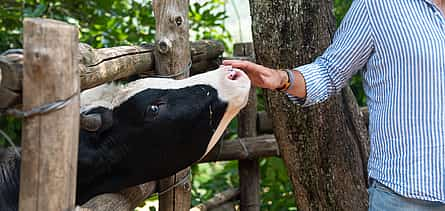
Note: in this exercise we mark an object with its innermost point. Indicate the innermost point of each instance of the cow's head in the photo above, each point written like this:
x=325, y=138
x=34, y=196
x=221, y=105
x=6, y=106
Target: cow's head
x=152, y=128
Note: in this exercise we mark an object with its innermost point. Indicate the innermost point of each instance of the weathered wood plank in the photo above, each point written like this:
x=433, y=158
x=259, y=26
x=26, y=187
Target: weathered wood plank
x=108, y=64
x=257, y=147
x=12, y=71
x=249, y=169
x=98, y=66
x=125, y=200
x=205, y=55
x=218, y=200
x=264, y=123
x=229, y=206
x=172, y=56
x=49, y=143
x=9, y=98
x=11, y=68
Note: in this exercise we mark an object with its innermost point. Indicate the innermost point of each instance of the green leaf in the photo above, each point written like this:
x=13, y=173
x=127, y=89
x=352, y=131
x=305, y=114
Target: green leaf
x=39, y=10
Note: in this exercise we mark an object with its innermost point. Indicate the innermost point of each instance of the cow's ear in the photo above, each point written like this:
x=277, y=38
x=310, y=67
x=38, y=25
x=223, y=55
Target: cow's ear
x=96, y=120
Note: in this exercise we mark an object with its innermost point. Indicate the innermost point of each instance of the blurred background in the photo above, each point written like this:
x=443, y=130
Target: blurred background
x=107, y=23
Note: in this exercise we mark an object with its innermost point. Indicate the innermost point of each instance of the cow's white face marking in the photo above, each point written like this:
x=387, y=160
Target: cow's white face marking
x=233, y=90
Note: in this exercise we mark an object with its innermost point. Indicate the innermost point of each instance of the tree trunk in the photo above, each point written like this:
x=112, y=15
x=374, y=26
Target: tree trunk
x=325, y=147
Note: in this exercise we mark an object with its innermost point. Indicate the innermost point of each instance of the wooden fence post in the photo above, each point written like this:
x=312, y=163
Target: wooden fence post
x=172, y=57
x=249, y=170
x=49, y=156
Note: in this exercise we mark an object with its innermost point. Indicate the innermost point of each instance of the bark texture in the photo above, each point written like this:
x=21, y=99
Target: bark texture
x=324, y=146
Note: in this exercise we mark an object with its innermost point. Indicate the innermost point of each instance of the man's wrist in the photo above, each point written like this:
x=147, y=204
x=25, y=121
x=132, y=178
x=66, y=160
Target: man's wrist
x=298, y=87
x=284, y=80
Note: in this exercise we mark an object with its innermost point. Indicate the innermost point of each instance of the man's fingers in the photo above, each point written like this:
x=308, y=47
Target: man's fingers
x=243, y=65
x=229, y=62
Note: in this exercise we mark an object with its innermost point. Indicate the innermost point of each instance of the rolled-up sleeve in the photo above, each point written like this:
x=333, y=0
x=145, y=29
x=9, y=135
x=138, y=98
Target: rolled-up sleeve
x=349, y=52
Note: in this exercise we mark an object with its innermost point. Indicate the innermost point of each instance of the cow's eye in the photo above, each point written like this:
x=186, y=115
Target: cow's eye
x=152, y=110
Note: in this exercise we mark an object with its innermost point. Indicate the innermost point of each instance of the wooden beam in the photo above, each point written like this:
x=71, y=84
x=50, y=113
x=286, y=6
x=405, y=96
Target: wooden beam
x=11, y=66
x=264, y=123
x=125, y=200
x=172, y=57
x=50, y=141
x=257, y=147
x=249, y=169
x=218, y=200
x=98, y=66
x=107, y=64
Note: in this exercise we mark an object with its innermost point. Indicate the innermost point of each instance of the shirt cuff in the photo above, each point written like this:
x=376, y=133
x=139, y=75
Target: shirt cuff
x=296, y=100
x=316, y=85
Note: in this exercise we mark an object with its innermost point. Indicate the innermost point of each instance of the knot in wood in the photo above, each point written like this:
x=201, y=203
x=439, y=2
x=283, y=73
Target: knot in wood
x=179, y=20
x=187, y=186
x=40, y=55
x=164, y=45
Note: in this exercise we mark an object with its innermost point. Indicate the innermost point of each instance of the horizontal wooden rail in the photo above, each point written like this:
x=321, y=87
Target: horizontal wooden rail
x=98, y=66
x=218, y=200
x=127, y=199
x=245, y=148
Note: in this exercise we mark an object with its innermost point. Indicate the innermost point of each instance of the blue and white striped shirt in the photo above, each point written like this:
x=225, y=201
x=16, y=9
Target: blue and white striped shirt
x=402, y=44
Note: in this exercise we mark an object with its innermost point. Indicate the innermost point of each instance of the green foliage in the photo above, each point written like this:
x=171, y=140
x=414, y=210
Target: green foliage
x=207, y=21
x=105, y=23
x=102, y=23
x=12, y=128
x=356, y=85
x=276, y=188
x=10, y=25
x=212, y=178
x=340, y=9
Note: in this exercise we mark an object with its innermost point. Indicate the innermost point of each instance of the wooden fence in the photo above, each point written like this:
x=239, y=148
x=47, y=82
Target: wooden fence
x=54, y=68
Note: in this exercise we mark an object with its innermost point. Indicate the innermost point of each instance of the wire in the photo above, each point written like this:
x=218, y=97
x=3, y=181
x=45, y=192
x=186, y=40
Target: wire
x=183, y=181
x=44, y=109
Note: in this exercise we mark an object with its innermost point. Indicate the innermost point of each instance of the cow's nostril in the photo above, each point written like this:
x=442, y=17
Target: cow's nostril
x=233, y=75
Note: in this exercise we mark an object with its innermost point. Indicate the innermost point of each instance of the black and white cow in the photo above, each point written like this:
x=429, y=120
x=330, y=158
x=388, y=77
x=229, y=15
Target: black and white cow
x=149, y=129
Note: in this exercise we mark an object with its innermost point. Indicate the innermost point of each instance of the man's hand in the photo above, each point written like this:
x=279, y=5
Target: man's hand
x=259, y=75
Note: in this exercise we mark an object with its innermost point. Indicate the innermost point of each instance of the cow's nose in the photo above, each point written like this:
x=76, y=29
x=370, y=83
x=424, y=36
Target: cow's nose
x=236, y=75
x=233, y=75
